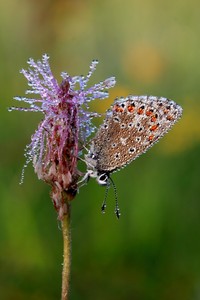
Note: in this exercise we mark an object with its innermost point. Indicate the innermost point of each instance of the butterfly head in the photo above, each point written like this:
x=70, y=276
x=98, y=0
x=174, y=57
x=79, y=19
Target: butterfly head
x=102, y=177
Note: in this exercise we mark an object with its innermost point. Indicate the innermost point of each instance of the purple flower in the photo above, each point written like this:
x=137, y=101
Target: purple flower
x=67, y=123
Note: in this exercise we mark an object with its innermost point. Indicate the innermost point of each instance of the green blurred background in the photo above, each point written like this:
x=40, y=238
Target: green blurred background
x=153, y=251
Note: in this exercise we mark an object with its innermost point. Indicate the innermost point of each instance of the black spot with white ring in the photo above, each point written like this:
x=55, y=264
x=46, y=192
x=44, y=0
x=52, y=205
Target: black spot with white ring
x=131, y=150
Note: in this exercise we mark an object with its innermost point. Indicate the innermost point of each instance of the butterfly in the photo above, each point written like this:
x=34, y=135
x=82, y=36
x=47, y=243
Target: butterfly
x=132, y=126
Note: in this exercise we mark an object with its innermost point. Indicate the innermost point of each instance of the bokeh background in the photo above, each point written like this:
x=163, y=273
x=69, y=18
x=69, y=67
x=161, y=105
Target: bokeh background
x=153, y=251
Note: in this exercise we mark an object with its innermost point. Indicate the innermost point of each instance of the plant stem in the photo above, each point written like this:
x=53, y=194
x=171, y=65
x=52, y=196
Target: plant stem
x=66, y=254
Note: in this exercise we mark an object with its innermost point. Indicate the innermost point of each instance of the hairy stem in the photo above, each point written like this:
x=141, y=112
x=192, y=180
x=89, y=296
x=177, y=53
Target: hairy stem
x=66, y=255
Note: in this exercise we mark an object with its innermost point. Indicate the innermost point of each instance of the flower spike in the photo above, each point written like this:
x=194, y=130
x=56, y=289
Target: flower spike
x=67, y=123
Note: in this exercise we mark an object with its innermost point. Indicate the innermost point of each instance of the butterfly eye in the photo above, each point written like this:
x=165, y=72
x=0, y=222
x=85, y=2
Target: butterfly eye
x=102, y=179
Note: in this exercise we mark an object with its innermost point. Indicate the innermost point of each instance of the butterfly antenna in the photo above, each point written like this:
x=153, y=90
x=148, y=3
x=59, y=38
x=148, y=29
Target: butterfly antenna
x=103, y=207
x=117, y=210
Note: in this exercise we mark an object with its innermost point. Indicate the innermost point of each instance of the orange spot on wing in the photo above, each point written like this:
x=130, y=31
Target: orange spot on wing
x=169, y=118
x=131, y=108
x=149, y=113
x=117, y=108
x=153, y=118
x=154, y=127
x=150, y=138
x=140, y=111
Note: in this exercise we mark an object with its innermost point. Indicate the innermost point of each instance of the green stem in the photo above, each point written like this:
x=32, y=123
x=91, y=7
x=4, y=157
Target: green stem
x=66, y=254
